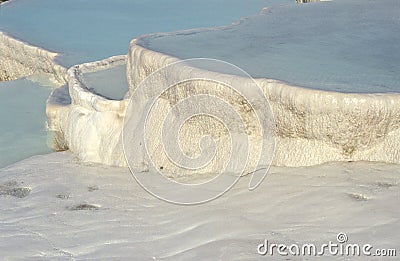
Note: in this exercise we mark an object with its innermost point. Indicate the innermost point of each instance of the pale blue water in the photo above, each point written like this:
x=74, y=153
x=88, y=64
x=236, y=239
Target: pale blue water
x=343, y=45
x=110, y=83
x=22, y=114
x=95, y=29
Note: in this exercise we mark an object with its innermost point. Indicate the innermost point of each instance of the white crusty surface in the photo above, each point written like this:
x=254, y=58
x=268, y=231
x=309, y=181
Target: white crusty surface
x=313, y=126
x=85, y=123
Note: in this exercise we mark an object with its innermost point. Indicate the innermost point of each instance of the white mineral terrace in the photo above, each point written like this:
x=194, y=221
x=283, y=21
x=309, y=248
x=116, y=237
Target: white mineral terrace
x=312, y=126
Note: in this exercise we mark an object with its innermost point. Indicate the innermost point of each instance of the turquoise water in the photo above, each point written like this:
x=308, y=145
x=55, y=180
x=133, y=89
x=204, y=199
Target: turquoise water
x=22, y=114
x=95, y=29
x=343, y=45
x=110, y=83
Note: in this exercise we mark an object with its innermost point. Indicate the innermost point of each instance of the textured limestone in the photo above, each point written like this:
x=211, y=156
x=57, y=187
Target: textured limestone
x=85, y=123
x=312, y=126
x=19, y=59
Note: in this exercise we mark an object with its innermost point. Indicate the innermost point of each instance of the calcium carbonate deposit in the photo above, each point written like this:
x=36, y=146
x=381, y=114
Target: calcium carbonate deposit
x=312, y=126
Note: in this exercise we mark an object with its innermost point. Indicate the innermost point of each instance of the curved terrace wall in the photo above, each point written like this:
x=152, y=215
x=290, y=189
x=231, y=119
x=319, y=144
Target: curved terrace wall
x=312, y=126
x=85, y=123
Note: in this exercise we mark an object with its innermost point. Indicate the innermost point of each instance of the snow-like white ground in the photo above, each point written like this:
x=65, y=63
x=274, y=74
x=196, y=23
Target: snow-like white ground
x=64, y=210
x=342, y=45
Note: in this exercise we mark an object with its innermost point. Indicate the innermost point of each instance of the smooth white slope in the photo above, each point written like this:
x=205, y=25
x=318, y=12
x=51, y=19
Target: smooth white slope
x=120, y=220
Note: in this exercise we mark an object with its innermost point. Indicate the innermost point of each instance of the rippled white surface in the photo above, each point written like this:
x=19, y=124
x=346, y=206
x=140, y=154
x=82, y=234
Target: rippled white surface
x=90, y=211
